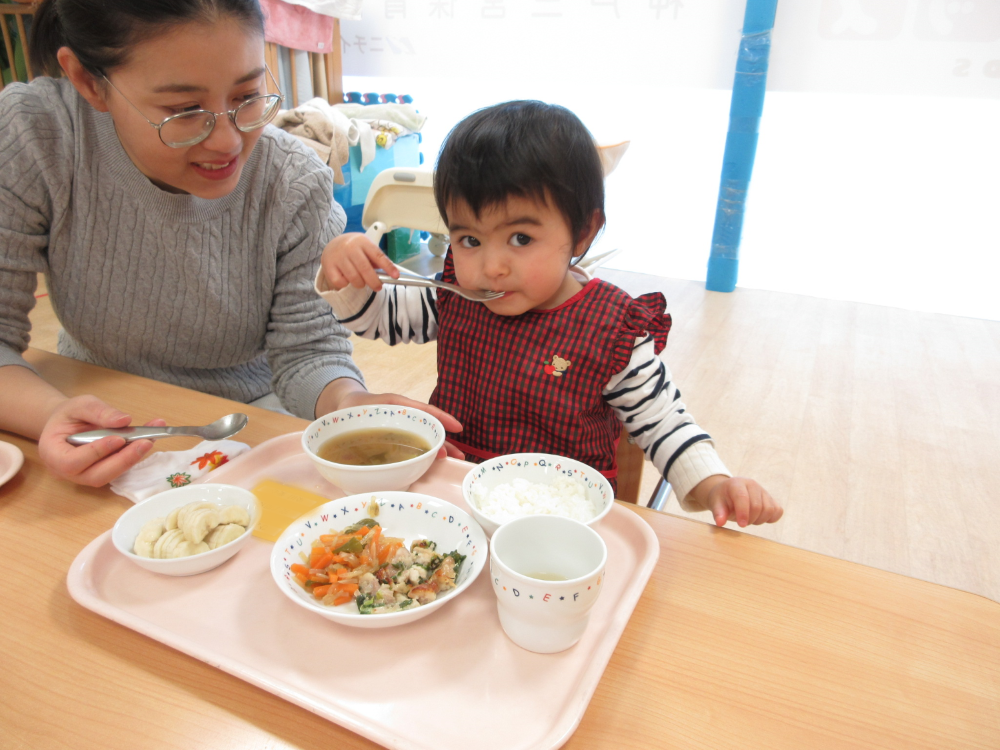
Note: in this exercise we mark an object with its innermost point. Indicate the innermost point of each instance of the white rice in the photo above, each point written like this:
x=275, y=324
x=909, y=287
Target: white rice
x=565, y=497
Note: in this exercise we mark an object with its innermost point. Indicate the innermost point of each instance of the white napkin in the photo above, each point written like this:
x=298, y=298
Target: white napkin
x=165, y=470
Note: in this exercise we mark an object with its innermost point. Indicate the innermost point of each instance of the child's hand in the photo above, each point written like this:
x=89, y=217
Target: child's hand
x=351, y=260
x=737, y=497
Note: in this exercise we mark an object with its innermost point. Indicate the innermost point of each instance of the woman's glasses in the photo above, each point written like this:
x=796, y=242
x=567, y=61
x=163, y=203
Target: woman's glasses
x=189, y=128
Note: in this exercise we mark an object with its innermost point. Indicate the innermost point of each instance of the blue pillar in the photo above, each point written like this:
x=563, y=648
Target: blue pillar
x=741, y=143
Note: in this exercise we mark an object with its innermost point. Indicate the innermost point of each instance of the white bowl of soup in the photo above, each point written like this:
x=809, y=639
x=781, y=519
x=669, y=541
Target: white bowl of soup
x=374, y=448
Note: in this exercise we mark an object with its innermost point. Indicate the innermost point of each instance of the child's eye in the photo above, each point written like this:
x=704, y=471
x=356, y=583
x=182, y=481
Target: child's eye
x=520, y=240
x=468, y=241
x=184, y=108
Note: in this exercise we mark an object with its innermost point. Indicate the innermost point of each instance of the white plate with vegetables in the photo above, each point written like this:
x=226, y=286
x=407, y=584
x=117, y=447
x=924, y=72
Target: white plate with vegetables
x=379, y=559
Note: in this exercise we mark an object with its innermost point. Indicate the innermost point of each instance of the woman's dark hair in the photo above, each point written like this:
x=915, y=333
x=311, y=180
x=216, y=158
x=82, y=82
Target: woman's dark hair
x=101, y=32
x=527, y=149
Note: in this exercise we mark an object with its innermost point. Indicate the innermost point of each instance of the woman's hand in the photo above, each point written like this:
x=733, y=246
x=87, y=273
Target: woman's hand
x=736, y=497
x=360, y=398
x=94, y=464
x=351, y=260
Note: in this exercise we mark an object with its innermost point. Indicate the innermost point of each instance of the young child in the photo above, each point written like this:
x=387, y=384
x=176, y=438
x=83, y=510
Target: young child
x=561, y=361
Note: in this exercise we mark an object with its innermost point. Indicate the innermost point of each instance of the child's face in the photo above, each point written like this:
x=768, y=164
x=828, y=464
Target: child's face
x=521, y=247
x=212, y=66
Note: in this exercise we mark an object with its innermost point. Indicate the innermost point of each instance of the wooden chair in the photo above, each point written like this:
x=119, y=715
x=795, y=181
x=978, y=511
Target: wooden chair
x=630, y=461
x=12, y=22
x=326, y=71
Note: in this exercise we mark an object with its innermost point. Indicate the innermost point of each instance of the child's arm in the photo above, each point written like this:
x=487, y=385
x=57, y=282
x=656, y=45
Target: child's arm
x=648, y=403
x=396, y=314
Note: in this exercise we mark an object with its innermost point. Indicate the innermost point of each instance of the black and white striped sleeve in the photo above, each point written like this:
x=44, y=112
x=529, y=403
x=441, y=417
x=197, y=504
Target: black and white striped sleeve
x=648, y=403
x=397, y=314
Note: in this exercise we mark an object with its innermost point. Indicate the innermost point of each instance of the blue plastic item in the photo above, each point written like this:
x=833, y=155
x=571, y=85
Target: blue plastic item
x=747, y=105
x=405, y=152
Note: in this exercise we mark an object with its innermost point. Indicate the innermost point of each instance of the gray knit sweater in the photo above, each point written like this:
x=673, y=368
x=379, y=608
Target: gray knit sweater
x=214, y=295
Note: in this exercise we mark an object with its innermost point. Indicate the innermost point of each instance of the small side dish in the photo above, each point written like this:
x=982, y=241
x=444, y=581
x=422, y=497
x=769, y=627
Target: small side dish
x=336, y=445
x=527, y=484
x=191, y=530
x=377, y=571
x=183, y=531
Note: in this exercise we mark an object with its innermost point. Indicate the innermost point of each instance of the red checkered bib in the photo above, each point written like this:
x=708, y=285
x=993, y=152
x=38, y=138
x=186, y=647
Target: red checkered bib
x=534, y=382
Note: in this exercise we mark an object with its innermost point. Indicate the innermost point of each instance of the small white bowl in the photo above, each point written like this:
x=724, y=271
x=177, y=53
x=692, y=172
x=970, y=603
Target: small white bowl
x=397, y=476
x=537, y=468
x=158, y=506
x=401, y=514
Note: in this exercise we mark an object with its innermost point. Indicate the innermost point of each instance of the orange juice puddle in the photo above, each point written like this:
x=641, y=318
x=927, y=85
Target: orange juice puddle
x=282, y=504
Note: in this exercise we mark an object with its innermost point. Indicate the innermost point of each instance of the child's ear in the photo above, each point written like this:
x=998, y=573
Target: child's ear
x=611, y=155
x=590, y=231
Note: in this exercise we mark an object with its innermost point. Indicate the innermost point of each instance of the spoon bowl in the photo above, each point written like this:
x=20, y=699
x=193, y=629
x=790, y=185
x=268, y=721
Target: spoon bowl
x=220, y=429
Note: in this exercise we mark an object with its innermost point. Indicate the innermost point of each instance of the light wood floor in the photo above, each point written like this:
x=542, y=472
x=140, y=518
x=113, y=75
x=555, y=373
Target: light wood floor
x=877, y=428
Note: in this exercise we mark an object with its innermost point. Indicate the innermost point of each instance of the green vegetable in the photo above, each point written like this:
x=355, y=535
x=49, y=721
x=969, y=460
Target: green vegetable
x=371, y=523
x=423, y=543
x=459, y=559
x=352, y=545
x=365, y=603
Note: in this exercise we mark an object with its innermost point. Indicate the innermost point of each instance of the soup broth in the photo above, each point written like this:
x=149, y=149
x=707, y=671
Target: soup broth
x=373, y=447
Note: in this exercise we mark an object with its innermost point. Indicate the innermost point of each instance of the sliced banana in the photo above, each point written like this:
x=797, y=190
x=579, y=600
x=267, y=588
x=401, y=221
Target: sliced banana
x=185, y=510
x=148, y=534
x=171, y=522
x=224, y=534
x=186, y=549
x=198, y=523
x=234, y=514
x=190, y=530
x=166, y=546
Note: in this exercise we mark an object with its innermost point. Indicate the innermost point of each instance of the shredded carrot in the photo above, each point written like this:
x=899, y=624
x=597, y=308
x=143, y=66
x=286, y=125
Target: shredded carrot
x=329, y=569
x=315, y=554
x=323, y=562
x=387, y=552
x=373, y=543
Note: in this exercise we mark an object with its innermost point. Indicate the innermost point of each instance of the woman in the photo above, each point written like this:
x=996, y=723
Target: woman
x=179, y=237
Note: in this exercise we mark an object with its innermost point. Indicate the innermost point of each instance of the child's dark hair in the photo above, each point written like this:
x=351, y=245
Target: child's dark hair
x=100, y=32
x=527, y=149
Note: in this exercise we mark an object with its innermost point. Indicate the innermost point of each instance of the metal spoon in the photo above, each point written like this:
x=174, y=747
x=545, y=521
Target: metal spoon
x=218, y=430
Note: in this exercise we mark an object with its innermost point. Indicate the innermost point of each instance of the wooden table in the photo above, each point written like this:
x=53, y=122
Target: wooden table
x=739, y=642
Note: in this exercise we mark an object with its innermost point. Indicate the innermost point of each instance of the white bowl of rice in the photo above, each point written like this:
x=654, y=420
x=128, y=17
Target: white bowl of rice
x=525, y=484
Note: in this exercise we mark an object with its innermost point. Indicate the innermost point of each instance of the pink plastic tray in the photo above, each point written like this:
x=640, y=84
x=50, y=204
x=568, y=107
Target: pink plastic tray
x=461, y=683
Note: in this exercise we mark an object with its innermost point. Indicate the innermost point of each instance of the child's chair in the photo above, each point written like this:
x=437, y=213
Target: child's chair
x=404, y=198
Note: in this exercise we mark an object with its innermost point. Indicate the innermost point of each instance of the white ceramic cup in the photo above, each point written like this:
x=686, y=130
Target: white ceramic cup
x=546, y=616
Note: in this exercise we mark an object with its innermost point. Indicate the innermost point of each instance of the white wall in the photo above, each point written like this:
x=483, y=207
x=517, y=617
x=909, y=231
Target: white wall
x=876, y=173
